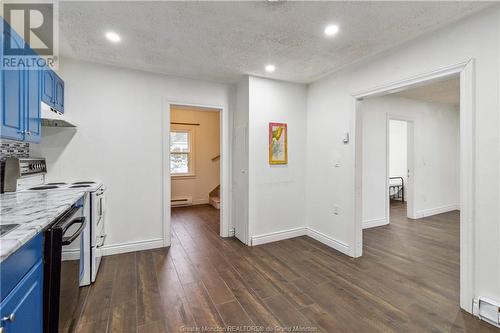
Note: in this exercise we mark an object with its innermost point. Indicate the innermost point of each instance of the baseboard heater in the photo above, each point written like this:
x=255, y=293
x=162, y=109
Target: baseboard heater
x=187, y=201
x=488, y=310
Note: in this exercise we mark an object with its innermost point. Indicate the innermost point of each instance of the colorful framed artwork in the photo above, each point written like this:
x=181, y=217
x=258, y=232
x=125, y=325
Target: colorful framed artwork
x=278, y=143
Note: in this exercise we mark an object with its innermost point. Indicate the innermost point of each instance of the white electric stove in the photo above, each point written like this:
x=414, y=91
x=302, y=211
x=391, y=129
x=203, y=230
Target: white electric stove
x=28, y=174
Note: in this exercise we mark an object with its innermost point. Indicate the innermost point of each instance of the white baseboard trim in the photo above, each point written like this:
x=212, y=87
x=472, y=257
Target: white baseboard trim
x=278, y=235
x=437, y=210
x=200, y=202
x=329, y=241
x=375, y=223
x=301, y=231
x=111, y=249
x=70, y=255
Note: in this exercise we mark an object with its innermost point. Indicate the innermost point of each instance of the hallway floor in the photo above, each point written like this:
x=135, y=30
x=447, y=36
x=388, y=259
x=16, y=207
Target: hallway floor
x=406, y=281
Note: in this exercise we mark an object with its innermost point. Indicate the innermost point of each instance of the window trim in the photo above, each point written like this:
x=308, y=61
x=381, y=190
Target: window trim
x=191, y=154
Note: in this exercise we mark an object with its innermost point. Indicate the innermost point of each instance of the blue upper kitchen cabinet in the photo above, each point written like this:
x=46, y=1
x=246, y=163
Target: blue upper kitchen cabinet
x=53, y=90
x=21, y=92
x=59, y=94
x=12, y=94
x=48, y=87
x=33, y=89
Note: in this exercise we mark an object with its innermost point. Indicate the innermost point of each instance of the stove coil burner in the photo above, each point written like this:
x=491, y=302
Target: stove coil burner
x=46, y=187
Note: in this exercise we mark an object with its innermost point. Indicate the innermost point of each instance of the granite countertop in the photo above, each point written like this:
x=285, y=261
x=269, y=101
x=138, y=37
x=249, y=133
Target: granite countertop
x=33, y=211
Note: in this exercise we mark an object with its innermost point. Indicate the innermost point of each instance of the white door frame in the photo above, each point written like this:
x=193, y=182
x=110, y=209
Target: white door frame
x=409, y=189
x=467, y=167
x=224, y=167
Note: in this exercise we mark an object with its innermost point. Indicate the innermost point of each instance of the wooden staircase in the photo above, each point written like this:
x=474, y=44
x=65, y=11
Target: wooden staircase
x=214, y=197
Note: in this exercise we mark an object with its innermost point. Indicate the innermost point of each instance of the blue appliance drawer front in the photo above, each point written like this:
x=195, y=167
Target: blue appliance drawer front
x=15, y=267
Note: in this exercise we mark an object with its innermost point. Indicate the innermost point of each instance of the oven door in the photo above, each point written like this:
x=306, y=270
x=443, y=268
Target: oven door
x=71, y=272
x=62, y=277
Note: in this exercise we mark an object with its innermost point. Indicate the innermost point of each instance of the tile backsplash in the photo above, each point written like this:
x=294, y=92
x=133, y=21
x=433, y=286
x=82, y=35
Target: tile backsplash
x=14, y=149
x=11, y=149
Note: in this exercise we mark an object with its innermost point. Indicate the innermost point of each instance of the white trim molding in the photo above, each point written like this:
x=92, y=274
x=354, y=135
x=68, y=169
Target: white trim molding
x=149, y=244
x=393, y=87
x=436, y=210
x=301, y=231
x=278, y=235
x=466, y=70
x=70, y=255
x=329, y=241
x=200, y=202
x=372, y=223
x=225, y=157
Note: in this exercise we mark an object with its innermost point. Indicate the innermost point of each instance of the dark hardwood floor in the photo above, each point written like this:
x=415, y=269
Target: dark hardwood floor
x=406, y=281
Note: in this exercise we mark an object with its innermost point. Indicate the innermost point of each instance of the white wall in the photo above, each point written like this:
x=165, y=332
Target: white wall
x=276, y=192
x=398, y=142
x=436, y=155
x=206, y=146
x=331, y=112
x=119, y=140
x=374, y=168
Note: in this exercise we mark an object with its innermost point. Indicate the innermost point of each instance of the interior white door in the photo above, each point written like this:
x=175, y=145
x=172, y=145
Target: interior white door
x=240, y=183
x=410, y=183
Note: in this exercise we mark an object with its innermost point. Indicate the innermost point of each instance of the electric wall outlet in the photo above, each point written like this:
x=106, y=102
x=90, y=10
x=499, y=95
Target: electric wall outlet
x=346, y=138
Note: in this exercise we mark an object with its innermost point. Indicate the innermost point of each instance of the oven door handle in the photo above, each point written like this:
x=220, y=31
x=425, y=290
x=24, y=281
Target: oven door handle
x=68, y=240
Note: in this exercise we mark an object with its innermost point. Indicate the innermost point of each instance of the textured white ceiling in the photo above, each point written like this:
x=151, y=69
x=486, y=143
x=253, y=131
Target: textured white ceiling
x=447, y=91
x=220, y=41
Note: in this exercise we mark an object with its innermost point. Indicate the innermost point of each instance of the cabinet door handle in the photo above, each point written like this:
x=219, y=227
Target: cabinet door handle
x=11, y=317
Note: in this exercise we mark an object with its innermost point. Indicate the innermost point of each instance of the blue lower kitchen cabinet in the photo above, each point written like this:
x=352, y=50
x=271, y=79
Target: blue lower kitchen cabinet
x=22, y=310
x=21, y=289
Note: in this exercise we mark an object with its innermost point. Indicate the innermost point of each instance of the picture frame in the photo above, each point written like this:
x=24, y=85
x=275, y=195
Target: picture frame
x=278, y=143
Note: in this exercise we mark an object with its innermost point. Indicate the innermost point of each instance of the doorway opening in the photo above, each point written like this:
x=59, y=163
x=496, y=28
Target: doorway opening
x=398, y=131
x=458, y=215
x=195, y=171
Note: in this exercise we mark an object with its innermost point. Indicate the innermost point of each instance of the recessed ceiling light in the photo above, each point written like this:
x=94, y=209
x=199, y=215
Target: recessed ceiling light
x=270, y=68
x=113, y=37
x=331, y=30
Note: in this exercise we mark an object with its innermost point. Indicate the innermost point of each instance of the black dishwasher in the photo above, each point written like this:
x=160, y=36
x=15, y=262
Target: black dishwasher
x=62, y=295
